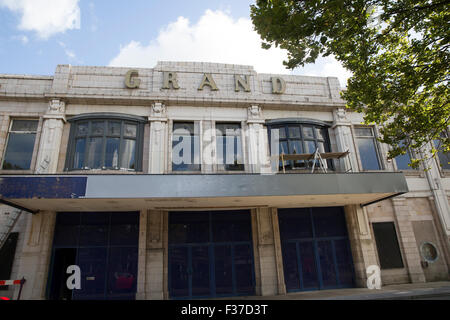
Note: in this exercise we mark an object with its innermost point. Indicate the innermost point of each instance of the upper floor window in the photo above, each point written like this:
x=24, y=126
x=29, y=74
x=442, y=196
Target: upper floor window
x=229, y=146
x=444, y=157
x=298, y=138
x=367, y=147
x=186, y=147
x=105, y=141
x=20, y=145
x=404, y=160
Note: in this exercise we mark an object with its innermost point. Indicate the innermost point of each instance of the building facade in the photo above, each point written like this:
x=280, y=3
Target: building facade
x=198, y=180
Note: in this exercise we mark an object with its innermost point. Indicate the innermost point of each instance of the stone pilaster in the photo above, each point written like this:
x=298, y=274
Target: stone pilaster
x=155, y=256
x=361, y=242
x=36, y=253
x=158, y=139
x=344, y=142
x=268, y=273
x=257, y=142
x=52, y=130
x=407, y=240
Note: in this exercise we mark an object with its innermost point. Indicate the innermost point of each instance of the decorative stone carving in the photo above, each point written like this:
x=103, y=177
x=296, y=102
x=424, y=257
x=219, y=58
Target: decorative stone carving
x=158, y=111
x=340, y=115
x=56, y=106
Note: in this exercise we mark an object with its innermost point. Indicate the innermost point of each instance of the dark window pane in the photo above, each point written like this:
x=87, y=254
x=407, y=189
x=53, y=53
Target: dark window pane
x=387, y=245
x=122, y=273
x=363, y=132
x=124, y=228
x=24, y=125
x=291, y=276
x=80, y=149
x=67, y=229
x=19, y=151
x=112, y=153
x=223, y=269
x=7, y=253
x=403, y=161
x=344, y=262
x=444, y=157
x=92, y=262
x=309, y=268
x=200, y=271
x=95, y=151
x=82, y=129
x=329, y=222
x=130, y=130
x=187, y=227
x=310, y=146
x=114, y=128
x=94, y=229
x=321, y=134
x=243, y=264
x=128, y=152
x=295, y=223
x=98, y=128
x=178, y=271
x=368, y=154
x=327, y=266
x=229, y=226
x=229, y=147
x=294, y=132
x=308, y=133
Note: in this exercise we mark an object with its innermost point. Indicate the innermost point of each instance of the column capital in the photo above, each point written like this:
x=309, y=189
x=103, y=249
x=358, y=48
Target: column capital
x=56, y=110
x=254, y=114
x=158, y=112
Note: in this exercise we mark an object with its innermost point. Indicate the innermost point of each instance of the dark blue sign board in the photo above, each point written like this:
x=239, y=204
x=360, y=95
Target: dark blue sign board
x=42, y=187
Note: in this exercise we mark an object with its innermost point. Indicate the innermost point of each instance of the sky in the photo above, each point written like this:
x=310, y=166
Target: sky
x=37, y=35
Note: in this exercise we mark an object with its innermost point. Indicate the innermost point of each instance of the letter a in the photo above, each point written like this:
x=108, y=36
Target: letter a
x=74, y=281
x=374, y=280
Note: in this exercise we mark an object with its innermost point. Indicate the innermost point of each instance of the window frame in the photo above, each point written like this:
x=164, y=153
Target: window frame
x=35, y=144
x=106, y=118
x=441, y=169
x=376, y=144
x=301, y=124
x=221, y=167
x=196, y=124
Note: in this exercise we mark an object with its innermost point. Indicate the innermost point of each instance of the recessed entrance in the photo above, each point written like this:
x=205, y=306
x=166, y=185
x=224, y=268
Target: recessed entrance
x=210, y=254
x=316, y=249
x=104, y=246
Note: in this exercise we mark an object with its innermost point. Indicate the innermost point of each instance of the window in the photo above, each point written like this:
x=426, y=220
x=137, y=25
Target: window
x=186, y=147
x=404, y=160
x=365, y=140
x=20, y=145
x=229, y=146
x=387, y=245
x=108, y=142
x=298, y=138
x=444, y=157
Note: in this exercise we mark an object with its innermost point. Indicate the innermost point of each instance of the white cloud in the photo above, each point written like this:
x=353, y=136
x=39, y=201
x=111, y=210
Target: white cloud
x=217, y=37
x=22, y=38
x=46, y=17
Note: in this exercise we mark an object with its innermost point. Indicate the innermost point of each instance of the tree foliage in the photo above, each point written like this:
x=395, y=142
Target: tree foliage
x=398, y=53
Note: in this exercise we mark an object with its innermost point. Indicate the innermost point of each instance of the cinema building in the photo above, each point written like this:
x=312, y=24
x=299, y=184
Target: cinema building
x=203, y=180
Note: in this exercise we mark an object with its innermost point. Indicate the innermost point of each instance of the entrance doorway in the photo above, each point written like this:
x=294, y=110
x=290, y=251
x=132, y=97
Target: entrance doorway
x=104, y=246
x=316, y=249
x=210, y=254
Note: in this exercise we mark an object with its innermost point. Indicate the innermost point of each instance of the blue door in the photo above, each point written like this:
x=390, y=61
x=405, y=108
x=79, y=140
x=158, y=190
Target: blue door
x=210, y=254
x=105, y=247
x=316, y=249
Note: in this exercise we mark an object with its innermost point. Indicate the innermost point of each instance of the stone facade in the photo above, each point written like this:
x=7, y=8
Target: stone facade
x=242, y=96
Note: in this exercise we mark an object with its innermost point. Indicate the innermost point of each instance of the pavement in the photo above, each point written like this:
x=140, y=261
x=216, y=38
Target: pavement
x=410, y=291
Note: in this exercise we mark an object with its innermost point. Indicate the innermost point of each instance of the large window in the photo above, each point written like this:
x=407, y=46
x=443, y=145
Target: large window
x=444, y=157
x=105, y=142
x=387, y=245
x=229, y=146
x=298, y=138
x=20, y=145
x=367, y=147
x=186, y=147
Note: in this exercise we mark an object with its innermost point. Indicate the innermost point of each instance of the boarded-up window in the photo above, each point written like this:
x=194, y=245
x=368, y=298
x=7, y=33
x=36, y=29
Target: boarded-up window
x=387, y=244
x=7, y=258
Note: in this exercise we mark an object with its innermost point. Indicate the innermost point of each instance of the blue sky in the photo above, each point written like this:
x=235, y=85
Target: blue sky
x=37, y=35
